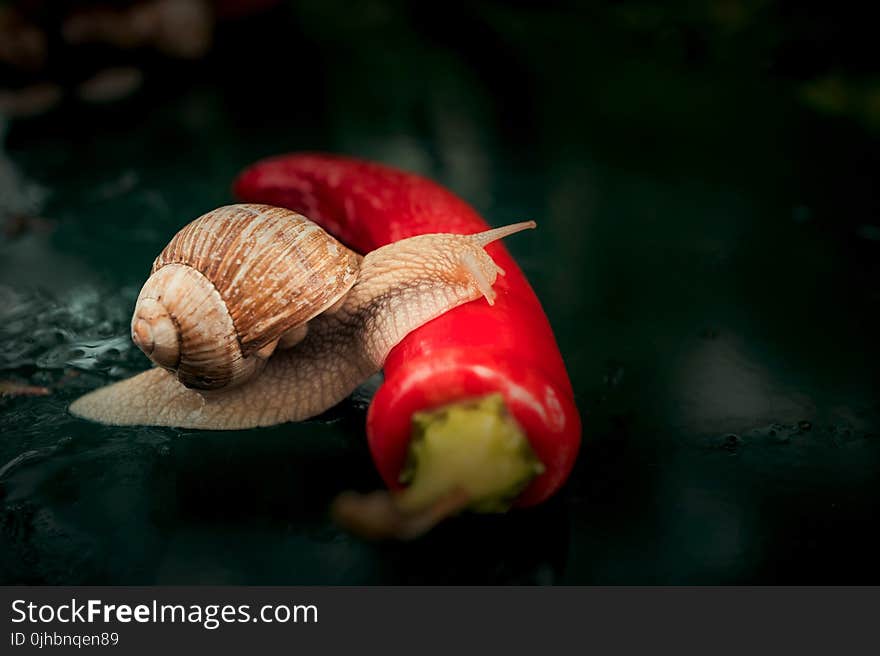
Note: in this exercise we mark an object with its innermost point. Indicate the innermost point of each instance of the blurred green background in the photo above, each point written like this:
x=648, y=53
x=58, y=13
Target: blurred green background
x=703, y=175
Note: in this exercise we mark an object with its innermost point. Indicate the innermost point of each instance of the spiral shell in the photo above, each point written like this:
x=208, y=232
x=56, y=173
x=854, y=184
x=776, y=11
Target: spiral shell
x=231, y=284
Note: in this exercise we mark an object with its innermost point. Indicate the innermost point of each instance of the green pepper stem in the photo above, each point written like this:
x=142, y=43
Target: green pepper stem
x=474, y=445
x=468, y=455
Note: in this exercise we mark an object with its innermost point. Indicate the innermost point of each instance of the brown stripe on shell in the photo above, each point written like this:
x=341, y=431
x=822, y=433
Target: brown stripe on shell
x=274, y=268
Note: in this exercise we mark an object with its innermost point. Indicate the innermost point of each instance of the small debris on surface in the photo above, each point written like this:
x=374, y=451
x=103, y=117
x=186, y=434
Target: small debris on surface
x=771, y=434
x=11, y=388
x=19, y=225
x=124, y=183
x=731, y=441
x=32, y=100
x=110, y=84
x=614, y=372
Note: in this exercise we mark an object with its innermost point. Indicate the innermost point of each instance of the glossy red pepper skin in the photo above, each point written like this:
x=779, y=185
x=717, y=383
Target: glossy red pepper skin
x=472, y=350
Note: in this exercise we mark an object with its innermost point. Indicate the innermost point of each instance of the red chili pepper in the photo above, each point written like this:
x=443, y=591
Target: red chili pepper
x=473, y=350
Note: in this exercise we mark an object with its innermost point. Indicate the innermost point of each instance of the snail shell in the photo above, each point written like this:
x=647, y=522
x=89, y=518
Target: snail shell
x=230, y=285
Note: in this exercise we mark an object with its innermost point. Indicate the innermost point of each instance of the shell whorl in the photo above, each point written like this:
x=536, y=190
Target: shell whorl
x=154, y=331
x=233, y=282
x=182, y=324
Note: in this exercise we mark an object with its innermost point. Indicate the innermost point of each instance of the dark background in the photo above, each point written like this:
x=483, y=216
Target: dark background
x=703, y=176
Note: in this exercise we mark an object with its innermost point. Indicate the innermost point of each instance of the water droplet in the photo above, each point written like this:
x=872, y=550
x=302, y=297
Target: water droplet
x=731, y=441
x=614, y=372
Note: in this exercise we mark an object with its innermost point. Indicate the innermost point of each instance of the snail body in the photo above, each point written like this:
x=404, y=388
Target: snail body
x=259, y=362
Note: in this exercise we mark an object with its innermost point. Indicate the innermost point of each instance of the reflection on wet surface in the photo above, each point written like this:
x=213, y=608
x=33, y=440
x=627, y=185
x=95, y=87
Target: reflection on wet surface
x=706, y=253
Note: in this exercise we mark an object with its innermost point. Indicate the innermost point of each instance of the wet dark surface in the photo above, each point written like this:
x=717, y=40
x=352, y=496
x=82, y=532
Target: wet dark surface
x=707, y=253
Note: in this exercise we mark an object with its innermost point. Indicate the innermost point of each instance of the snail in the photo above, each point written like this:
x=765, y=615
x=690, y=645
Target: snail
x=231, y=286
x=256, y=316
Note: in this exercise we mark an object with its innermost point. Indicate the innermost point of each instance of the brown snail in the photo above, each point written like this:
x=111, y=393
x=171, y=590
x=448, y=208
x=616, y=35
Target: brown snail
x=256, y=316
x=233, y=284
